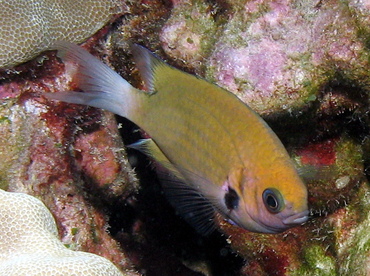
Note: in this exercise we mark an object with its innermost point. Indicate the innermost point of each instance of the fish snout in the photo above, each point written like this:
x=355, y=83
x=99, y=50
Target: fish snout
x=297, y=218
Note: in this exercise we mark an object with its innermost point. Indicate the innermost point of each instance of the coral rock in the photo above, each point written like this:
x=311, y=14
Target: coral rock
x=29, y=27
x=29, y=243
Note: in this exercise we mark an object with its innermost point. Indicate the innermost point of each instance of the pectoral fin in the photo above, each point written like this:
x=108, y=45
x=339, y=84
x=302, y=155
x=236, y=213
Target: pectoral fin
x=150, y=148
x=189, y=202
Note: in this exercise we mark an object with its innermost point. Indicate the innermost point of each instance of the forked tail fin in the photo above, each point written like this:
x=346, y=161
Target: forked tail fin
x=103, y=88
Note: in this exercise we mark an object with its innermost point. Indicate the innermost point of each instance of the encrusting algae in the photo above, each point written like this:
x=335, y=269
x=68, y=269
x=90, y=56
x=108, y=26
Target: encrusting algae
x=225, y=158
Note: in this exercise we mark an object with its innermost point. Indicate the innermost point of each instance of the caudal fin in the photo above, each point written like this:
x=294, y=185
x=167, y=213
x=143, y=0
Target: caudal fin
x=103, y=88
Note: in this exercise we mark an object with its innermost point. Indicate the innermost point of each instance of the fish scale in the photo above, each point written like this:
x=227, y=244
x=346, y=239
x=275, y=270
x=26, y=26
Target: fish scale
x=203, y=108
x=191, y=138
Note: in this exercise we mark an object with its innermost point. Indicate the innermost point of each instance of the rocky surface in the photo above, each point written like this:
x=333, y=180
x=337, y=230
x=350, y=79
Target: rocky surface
x=302, y=65
x=29, y=243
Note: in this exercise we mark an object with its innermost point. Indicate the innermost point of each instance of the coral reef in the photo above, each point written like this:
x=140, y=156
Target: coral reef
x=44, y=154
x=30, y=27
x=303, y=65
x=29, y=242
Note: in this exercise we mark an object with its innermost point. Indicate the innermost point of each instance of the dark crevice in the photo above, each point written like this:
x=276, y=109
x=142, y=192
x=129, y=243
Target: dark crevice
x=147, y=225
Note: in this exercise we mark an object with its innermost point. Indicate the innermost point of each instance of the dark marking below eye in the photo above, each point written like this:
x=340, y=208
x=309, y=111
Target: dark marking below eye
x=231, y=199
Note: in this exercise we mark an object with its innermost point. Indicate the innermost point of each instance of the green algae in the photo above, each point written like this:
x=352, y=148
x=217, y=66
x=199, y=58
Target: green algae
x=316, y=262
x=12, y=143
x=349, y=157
x=189, y=33
x=4, y=119
x=74, y=231
x=353, y=240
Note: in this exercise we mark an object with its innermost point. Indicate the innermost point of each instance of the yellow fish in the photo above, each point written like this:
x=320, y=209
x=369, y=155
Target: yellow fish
x=226, y=158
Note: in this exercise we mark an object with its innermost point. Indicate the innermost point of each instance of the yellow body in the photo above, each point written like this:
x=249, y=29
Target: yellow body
x=209, y=139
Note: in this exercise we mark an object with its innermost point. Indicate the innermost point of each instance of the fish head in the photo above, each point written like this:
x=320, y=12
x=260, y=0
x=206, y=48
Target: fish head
x=265, y=204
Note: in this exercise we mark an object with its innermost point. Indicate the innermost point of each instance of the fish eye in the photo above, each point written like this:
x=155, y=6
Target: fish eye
x=273, y=200
x=231, y=199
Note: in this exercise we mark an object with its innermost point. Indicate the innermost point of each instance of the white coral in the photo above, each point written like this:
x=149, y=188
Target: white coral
x=28, y=27
x=29, y=243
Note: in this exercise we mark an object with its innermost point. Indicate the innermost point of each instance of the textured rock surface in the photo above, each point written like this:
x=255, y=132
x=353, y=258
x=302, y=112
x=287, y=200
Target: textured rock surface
x=49, y=151
x=303, y=65
x=29, y=242
x=29, y=27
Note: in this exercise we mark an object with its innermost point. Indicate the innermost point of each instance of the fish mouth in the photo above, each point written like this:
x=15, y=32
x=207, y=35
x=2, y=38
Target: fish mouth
x=298, y=218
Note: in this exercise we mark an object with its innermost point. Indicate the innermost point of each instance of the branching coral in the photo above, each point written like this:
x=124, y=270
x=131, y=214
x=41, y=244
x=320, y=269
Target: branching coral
x=29, y=243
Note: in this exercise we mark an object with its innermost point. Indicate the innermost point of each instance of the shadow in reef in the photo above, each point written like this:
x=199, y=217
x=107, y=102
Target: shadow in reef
x=157, y=241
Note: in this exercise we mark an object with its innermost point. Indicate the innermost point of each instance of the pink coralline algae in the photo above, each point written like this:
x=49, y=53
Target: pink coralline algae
x=45, y=147
x=303, y=65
